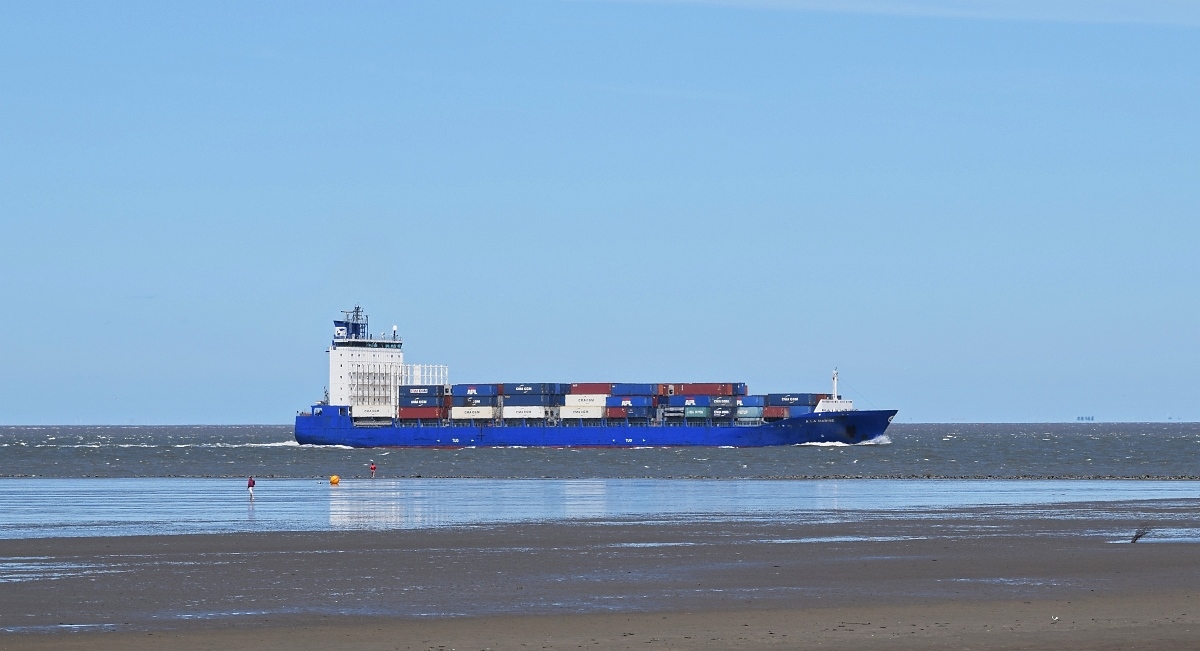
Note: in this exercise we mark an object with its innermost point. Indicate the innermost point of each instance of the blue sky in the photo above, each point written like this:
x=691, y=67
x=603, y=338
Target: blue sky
x=978, y=211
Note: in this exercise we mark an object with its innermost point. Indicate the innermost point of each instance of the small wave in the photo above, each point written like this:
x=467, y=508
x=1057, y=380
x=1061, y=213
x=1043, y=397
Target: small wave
x=878, y=440
x=276, y=444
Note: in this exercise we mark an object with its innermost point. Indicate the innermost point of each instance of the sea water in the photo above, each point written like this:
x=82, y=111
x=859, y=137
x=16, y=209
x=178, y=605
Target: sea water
x=1085, y=450
x=83, y=481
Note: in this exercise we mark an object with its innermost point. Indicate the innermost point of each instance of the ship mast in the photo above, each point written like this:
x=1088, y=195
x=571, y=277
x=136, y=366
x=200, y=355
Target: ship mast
x=835, y=391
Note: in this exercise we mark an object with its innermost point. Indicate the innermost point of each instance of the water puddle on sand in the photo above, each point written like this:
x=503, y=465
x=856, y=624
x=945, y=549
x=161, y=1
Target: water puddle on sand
x=118, y=507
x=20, y=570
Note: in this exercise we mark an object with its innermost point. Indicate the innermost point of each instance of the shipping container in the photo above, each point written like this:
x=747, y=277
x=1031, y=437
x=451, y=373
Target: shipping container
x=532, y=400
x=618, y=413
x=722, y=401
x=472, y=413
x=474, y=390
x=592, y=387
x=585, y=399
x=422, y=401
x=705, y=389
x=723, y=413
x=630, y=401
x=523, y=412
x=749, y=412
x=474, y=401
x=413, y=413
x=689, y=401
x=534, y=388
x=752, y=401
x=740, y=389
x=372, y=411
x=590, y=411
x=775, y=412
x=696, y=412
x=794, y=399
x=422, y=390
x=794, y=412
x=625, y=389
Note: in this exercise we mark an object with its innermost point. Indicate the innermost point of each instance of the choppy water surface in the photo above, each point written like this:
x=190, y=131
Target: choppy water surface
x=1092, y=450
x=109, y=507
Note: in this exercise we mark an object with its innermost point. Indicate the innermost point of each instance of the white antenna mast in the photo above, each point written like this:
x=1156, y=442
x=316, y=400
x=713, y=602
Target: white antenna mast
x=835, y=392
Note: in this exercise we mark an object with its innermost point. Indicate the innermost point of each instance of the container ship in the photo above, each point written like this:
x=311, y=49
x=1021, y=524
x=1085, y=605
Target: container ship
x=375, y=399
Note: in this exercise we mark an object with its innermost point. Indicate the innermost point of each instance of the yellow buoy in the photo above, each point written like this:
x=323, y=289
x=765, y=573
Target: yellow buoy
x=334, y=479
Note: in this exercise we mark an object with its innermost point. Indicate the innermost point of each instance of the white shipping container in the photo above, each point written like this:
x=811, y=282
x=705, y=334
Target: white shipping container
x=468, y=413
x=373, y=411
x=524, y=412
x=585, y=399
x=588, y=411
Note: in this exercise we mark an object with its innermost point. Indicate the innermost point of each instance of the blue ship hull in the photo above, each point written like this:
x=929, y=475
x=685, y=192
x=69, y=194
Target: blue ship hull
x=331, y=427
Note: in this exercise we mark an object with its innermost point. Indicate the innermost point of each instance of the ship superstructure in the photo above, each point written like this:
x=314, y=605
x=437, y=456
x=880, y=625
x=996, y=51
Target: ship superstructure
x=366, y=372
x=376, y=399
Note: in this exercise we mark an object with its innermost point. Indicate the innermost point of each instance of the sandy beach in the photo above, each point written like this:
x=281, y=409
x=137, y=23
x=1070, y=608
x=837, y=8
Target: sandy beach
x=973, y=579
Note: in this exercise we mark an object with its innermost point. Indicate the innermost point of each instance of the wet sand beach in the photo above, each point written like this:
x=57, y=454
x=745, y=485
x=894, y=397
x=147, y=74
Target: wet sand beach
x=977, y=578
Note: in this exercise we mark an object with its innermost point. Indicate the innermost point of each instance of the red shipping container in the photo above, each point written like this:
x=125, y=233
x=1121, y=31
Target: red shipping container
x=599, y=388
x=705, y=389
x=616, y=412
x=409, y=413
x=776, y=412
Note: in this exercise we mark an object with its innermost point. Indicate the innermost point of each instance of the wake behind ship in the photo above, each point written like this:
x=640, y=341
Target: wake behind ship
x=377, y=400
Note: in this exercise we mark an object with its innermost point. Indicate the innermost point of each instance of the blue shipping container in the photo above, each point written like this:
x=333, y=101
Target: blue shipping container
x=422, y=390
x=532, y=400
x=474, y=390
x=722, y=401
x=475, y=401
x=634, y=389
x=689, y=401
x=629, y=401
x=752, y=401
x=794, y=412
x=740, y=389
x=421, y=401
x=535, y=388
x=792, y=399
x=639, y=412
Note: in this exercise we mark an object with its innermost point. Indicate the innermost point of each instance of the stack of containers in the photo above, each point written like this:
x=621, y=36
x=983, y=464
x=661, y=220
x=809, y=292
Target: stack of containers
x=585, y=401
x=706, y=389
x=750, y=408
x=702, y=401
x=422, y=402
x=690, y=407
x=635, y=402
x=791, y=405
x=531, y=400
x=474, y=401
